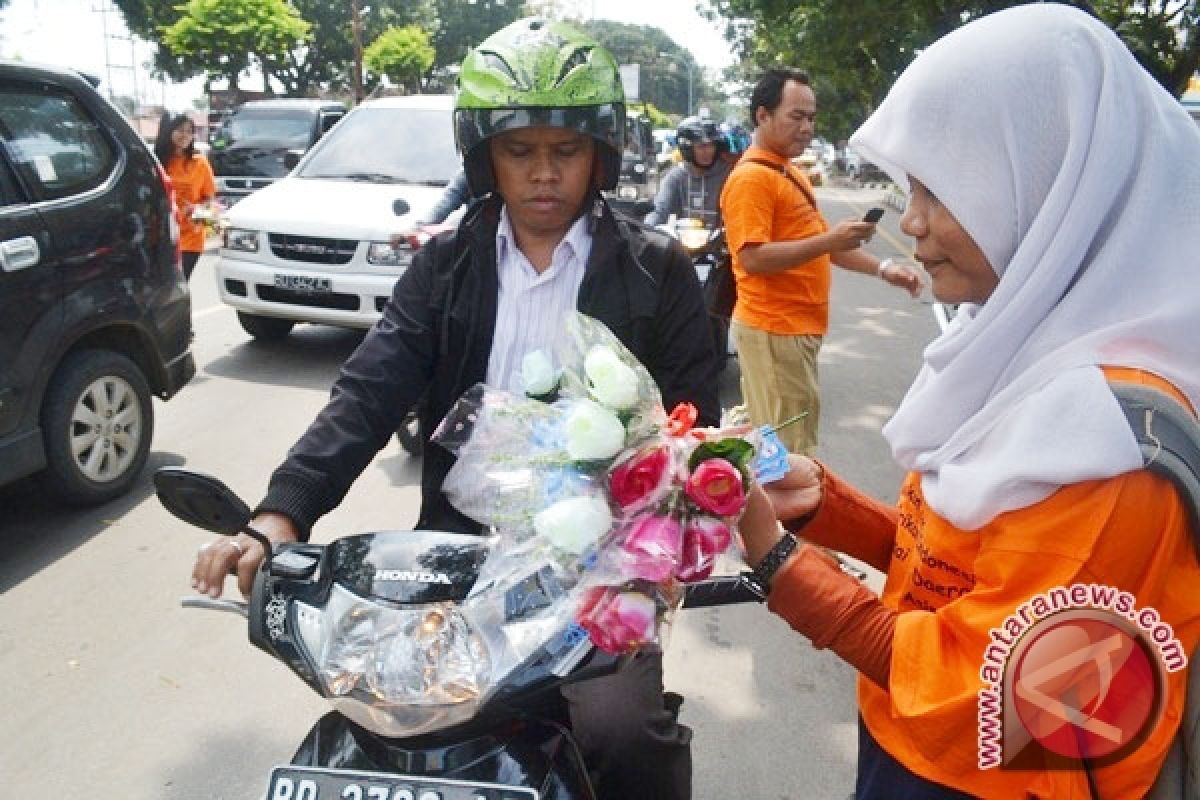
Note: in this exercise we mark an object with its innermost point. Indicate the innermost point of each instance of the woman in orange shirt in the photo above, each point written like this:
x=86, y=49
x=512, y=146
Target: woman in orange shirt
x=192, y=177
x=1040, y=603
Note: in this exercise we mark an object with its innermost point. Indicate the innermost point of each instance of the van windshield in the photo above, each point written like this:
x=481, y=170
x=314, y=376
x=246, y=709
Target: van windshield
x=388, y=145
x=280, y=127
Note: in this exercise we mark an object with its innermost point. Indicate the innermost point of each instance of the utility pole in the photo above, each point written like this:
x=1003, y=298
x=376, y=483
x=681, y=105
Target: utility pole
x=356, y=27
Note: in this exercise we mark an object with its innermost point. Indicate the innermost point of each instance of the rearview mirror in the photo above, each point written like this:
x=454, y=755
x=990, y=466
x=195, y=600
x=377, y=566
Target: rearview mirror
x=201, y=500
x=400, y=207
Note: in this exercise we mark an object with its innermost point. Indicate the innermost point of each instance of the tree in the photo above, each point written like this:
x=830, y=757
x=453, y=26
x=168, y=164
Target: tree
x=224, y=35
x=855, y=51
x=462, y=25
x=665, y=66
x=402, y=54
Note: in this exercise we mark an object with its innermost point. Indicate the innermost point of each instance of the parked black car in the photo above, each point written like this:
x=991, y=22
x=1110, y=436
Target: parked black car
x=251, y=147
x=95, y=315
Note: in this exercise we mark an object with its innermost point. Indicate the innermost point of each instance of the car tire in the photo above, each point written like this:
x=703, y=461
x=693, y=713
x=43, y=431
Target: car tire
x=97, y=424
x=269, y=329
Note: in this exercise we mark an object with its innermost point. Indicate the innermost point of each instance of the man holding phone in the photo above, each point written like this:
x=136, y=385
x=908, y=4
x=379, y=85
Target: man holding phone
x=782, y=250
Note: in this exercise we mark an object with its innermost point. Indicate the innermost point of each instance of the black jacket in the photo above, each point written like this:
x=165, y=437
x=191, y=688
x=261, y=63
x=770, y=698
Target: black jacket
x=435, y=337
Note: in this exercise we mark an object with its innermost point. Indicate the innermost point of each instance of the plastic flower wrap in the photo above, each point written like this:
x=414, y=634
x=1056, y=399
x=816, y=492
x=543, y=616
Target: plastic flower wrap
x=603, y=505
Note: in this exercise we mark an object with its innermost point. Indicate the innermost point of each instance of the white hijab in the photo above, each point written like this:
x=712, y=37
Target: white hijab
x=1079, y=178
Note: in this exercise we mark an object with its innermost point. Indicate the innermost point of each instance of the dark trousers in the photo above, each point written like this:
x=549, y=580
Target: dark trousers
x=189, y=263
x=881, y=777
x=630, y=740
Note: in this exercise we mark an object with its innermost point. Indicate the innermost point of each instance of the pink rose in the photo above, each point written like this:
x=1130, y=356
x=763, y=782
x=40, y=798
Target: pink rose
x=639, y=477
x=704, y=539
x=716, y=486
x=651, y=547
x=616, y=621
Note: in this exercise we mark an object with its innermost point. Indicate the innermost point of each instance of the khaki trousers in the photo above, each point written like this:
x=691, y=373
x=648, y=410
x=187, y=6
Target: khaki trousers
x=779, y=381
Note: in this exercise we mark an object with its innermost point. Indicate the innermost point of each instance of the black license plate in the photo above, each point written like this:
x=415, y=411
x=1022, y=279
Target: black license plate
x=303, y=283
x=312, y=783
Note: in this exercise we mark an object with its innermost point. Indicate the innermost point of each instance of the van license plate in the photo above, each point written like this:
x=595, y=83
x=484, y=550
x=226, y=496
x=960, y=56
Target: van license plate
x=303, y=283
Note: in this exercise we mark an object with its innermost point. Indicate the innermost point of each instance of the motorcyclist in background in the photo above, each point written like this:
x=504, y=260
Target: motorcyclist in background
x=693, y=188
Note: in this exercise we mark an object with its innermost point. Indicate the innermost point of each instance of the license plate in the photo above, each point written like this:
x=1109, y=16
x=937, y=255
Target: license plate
x=702, y=271
x=303, y=283
x=313, y=783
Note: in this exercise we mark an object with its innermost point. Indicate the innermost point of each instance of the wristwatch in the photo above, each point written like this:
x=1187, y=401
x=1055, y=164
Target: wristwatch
x=774, y=559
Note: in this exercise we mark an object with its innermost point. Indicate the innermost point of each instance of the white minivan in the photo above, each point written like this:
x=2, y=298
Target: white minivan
x=317, y=245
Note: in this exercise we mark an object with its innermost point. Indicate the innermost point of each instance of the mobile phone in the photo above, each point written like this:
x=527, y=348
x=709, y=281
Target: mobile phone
x=874, y=215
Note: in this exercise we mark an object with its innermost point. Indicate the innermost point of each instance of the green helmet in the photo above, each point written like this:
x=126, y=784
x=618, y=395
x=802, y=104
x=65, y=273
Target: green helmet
x=538, y=73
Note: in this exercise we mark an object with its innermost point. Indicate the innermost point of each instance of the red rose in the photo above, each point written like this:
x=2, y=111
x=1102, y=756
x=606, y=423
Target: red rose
x=640, y=477
x=616, y=621
x=704, y=539
x=716, y=486
x=651, y=548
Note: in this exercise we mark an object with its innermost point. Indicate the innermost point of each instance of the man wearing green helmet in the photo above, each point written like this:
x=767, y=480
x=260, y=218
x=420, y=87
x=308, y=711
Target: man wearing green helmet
x=540, y=118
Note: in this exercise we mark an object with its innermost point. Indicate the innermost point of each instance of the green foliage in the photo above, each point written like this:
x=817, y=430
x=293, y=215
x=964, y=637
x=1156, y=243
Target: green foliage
x=462, y=25
x=657, y=118
x=402, y=54
x=223, y=35
x=663, y=79
x=855, y=51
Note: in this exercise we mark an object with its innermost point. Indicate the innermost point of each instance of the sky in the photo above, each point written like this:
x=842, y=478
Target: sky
x=73, y=33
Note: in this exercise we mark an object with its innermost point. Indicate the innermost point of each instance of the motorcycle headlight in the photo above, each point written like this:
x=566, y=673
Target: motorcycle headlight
x=385, y=254
x=398, y=672
x=693, y=238
x=241, y=239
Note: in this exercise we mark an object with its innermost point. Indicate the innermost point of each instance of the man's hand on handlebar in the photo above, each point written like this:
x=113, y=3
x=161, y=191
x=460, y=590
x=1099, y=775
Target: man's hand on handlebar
x=240, y=555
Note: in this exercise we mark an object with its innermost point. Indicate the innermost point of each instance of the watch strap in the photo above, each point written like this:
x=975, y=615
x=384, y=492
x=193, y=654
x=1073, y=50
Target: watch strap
x=774, y=559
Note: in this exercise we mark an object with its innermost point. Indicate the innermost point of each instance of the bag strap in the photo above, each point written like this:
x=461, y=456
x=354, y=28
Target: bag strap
x=785, y=172
x=1169, y=437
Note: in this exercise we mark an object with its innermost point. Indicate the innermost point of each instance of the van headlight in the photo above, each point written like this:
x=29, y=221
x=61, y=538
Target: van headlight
x=386, y=254
x=396, y=671
x=240, y=239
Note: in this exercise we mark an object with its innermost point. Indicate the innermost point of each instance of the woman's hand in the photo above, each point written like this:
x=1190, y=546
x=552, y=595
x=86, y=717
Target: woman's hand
x=221, y=556
x=798, y=493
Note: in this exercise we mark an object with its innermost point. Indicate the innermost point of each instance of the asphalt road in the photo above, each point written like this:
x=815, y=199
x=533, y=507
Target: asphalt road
x=110, y=690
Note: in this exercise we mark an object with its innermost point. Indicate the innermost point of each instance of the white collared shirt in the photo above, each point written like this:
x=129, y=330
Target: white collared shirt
x=531, y=307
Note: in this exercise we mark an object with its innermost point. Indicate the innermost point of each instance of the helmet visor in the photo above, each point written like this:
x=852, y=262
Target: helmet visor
x=605, y=123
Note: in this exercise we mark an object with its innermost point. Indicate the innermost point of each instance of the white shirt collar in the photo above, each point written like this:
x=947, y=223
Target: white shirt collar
x=576, y=244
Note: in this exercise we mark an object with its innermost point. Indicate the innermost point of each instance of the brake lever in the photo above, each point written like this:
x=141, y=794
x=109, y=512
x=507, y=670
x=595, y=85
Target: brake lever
x=239, y=607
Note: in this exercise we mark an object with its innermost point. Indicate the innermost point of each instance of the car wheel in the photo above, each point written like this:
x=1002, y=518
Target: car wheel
x=97, y=422
x=266, y=328
x=409, y=435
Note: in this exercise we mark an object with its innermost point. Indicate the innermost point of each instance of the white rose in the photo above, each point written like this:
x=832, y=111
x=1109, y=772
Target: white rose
x=538, y=376
x=593, y=432
x=575, y=523
x=614, y=383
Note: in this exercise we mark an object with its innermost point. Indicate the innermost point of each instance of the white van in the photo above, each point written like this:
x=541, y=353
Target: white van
x=316, y=246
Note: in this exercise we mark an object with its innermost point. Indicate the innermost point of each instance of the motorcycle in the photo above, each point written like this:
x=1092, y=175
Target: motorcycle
x=710, y=256
x=383, y=625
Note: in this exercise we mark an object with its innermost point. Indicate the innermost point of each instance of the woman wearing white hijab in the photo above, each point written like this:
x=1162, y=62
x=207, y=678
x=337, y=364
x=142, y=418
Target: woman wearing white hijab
x=1055, y=193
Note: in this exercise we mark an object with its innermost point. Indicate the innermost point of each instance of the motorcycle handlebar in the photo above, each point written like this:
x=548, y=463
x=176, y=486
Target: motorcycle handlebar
x=724, y=591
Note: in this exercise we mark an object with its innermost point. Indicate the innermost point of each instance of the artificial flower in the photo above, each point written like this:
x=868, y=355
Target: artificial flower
x=574, y=524
x=593, y=432
x=639, y=477
x=617, y=621
x=704, y=538
x=538, y=376
x=715, y=486
x=613, y=382
x=651, y=547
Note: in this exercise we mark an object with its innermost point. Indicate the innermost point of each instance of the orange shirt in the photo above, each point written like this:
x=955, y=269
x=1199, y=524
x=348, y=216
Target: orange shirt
x=194, y=185
x=951, y=587
x=760, y=205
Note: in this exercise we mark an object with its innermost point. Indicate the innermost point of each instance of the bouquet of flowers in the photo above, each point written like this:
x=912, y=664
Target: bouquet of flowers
x=603, y=504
